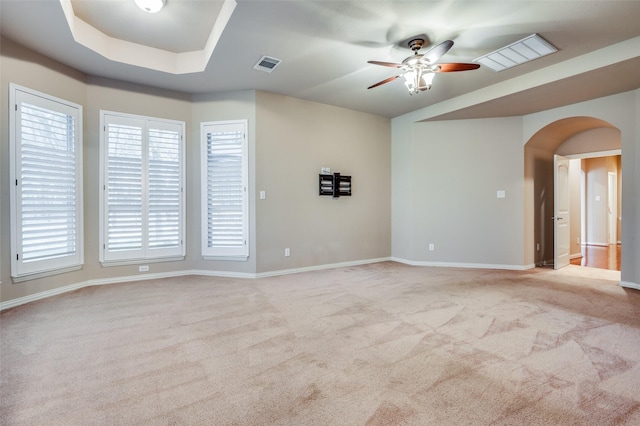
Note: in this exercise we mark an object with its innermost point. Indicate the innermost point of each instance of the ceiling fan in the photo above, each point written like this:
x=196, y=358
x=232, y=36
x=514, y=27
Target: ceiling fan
x=419, y=69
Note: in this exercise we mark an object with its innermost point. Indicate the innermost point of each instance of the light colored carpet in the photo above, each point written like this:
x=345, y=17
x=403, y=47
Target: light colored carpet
x=379, y=344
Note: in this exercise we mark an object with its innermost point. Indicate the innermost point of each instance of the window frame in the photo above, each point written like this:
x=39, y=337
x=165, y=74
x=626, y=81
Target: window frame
x=21, y=270
x=146, y=254
x=224, y=253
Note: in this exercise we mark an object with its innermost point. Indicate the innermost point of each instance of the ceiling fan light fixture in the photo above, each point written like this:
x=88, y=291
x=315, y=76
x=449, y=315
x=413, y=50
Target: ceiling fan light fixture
x=150, y=6
x=419, y=69
x=426, y=80
x=418, y=80
x=411, y=81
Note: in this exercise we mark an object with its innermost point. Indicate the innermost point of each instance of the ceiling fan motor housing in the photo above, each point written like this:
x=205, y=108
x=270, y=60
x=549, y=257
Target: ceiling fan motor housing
x=416, y=44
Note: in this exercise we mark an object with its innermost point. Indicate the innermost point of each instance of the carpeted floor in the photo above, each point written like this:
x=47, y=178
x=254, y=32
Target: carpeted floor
x=379, y=344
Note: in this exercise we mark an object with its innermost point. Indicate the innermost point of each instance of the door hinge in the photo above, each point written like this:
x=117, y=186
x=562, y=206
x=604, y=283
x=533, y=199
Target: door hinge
x=17, y=257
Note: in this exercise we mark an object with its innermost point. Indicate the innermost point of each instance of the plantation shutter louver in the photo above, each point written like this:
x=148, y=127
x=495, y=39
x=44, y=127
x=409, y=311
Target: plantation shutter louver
x=225, y=189
x=47, y=197
x=164, y=189
x=124, y=188
x=144, y=203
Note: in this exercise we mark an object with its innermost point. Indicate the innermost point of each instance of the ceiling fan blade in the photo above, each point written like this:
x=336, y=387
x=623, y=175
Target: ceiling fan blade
x=386, y=80
x=437, y=51
x=455, y=67
x=385, y=64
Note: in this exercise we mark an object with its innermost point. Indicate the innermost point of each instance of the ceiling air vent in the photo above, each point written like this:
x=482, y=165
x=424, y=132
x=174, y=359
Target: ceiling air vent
x=525, y=50
x=266, y=64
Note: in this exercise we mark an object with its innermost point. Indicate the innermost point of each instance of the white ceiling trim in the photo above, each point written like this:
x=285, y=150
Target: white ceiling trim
x=145, y=56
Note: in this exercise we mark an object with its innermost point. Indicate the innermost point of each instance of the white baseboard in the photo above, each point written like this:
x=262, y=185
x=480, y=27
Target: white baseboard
x=464, y=265
x=71, y=287
x=321, y=267
x=143, y=277
x=590, y=243
x=226, y=274
x=41, y=295
x=627, y=284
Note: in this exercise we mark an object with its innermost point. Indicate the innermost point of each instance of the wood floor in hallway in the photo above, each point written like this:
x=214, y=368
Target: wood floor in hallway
x=602, y=257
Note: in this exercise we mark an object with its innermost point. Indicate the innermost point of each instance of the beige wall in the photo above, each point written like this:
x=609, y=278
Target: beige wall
x=547, y=130
x=592, y=140
x=621, y=111
x=575, y=208
x=443, y=178
x=288, y=143
x=539, y=176
x=110, y=95
x=597, y=191
x=28, y=69
x=295, y=139
x=456, y=169
x=220, y=107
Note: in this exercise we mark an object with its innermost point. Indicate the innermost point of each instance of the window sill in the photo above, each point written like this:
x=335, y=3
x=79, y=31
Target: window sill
x=44, y=274
x=125, y=262
x=227, y=258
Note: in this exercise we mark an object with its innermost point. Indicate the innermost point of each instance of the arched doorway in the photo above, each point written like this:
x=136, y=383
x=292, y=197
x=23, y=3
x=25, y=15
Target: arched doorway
x=574, y=137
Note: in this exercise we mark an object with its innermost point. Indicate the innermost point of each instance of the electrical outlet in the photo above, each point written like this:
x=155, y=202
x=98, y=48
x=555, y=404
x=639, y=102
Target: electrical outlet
x=287, y=252
x=143, y=268
x=578, y=240
x=432, y=247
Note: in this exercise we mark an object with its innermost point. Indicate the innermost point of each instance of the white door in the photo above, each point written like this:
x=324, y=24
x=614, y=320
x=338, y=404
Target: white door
x=561, y=235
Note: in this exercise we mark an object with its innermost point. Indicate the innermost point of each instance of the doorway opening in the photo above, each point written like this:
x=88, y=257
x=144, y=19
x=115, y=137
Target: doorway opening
x=582, y=139
x=598, y=238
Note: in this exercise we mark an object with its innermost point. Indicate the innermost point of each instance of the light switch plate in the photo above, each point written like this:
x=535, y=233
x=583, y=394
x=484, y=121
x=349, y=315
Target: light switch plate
x=263, y=195
x=501, y=194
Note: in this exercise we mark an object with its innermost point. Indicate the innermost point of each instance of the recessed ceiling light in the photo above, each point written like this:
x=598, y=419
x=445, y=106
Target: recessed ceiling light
x=525, y=50
x=151, y=6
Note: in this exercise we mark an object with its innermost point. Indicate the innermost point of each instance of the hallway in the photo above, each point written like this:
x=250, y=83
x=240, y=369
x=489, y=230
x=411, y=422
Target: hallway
x=602, y=257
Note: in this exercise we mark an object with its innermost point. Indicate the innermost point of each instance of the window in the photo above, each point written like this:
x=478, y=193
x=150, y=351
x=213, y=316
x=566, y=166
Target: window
x=225, y=164
x=46, y=183
x=142, y=207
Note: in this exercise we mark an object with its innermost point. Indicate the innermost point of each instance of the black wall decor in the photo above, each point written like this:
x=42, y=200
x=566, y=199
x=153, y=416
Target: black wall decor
x=335, y=185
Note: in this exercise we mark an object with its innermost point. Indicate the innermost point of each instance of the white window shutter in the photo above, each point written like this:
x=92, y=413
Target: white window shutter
x=124, y=189
x=47, y=196
x=165, y=188
x=143, y=204
x=225, y=195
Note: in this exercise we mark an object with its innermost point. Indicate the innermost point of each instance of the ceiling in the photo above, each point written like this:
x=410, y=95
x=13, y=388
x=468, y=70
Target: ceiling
x=325, y=45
